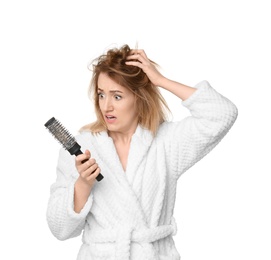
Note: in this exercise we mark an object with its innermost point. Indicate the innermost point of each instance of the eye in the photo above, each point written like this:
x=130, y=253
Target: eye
x=118, y=97
x=101, y=95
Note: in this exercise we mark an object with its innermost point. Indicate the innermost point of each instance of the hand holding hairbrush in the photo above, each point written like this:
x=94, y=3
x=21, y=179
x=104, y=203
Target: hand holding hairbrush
x=66, y=139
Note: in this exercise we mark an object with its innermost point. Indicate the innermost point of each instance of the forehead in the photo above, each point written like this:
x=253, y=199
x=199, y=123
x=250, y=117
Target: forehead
x=107, y=84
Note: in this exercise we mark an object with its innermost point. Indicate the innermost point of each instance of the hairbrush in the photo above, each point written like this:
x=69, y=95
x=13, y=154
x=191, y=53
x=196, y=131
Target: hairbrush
x=63, y=136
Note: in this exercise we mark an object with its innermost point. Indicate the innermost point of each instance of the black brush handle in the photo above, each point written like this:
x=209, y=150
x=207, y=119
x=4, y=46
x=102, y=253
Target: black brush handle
x=76, y=151
x=100, y=176
x=66, y=139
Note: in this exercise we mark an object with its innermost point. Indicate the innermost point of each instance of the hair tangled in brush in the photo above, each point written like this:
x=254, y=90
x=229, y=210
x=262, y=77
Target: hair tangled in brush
x=151, y=105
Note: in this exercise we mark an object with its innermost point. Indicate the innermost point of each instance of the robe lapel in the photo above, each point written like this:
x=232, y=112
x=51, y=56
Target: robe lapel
x=117, y=185
x=118, y=204
x=106, y=152
x=139, y=147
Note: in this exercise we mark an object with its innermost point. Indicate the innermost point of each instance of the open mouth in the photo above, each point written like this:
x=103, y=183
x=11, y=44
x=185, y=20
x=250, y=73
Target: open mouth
x=110, y=118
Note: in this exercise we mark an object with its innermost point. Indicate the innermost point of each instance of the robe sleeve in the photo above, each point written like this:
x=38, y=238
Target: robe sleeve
x=62, y=220
x=188, y=141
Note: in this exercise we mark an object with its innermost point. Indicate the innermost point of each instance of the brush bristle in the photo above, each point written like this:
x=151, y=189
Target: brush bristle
x=60, y=133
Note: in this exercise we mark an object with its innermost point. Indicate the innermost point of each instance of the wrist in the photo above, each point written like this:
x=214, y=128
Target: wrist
x=82, y=185
x=163, y=82
x=81, y=193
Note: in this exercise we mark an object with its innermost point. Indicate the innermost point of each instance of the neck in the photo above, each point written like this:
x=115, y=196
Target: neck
x=122, y=137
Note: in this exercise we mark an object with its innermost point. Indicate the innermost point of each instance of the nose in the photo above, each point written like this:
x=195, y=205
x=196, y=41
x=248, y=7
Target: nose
x=108, y=105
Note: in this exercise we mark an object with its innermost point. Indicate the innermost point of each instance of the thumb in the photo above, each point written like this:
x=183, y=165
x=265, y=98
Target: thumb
x=87, y=152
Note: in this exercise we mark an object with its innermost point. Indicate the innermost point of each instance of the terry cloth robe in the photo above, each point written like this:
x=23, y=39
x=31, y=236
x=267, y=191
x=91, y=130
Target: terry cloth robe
x=129, y=215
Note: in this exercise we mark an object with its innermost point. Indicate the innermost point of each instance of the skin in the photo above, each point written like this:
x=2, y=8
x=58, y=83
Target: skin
x=118, y=107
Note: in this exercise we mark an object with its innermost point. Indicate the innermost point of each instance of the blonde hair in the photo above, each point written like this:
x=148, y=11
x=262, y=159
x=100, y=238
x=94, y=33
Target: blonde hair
x=151, y=105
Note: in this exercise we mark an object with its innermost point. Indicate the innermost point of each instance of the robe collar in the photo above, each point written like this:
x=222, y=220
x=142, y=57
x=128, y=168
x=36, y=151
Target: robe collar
x=143, y=135
x=140, y=143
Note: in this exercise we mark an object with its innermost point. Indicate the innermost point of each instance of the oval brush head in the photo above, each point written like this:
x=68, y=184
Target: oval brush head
x=60, y=133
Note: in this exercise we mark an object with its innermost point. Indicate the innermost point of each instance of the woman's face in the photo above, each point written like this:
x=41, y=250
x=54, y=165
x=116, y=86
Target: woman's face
x=117, y=105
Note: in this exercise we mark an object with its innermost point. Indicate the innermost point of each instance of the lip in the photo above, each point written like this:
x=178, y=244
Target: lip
x=110, y=119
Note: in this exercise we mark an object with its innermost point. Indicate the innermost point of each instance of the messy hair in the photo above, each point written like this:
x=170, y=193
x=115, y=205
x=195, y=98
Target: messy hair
x=150, y=104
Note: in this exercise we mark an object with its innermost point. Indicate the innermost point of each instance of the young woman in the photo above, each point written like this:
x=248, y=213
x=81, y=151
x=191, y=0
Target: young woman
x=129, y=214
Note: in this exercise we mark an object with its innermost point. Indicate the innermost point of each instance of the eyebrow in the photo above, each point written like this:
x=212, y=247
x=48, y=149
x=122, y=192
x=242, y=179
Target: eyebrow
x=111, y=91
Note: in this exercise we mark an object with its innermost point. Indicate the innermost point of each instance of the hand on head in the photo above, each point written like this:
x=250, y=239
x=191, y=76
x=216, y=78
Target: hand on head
x=139, y=58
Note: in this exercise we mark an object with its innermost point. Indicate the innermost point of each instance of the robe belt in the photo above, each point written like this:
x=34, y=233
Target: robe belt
x=125, y=235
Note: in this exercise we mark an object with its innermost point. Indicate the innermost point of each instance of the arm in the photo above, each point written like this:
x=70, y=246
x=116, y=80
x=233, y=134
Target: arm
x=88, y=171
x=62, y=220
x=187, y=141
x=212, y=115
x=180, y=90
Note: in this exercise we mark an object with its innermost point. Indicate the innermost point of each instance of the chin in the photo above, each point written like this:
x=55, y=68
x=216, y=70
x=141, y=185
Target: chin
x=112, y=128
x=116, y=129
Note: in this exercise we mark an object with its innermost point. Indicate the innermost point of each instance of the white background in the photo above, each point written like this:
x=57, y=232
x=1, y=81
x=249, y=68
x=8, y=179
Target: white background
x=223, y=202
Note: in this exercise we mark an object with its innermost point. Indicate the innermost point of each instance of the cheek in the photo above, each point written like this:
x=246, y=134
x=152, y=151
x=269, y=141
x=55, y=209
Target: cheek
x=100, y=105
x=133, y=111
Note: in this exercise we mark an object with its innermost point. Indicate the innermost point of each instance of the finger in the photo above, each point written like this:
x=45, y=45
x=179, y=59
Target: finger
x=136, y=56
x=134, y=63
x=139, y=52
x=82, y=166
x=80, y=158
x=90, y=163
x=94, y=174
x=134, y=51
x=90, y=170
x=87, y=152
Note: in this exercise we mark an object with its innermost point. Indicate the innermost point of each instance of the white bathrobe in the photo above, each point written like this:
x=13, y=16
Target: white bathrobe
x=129, y=215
